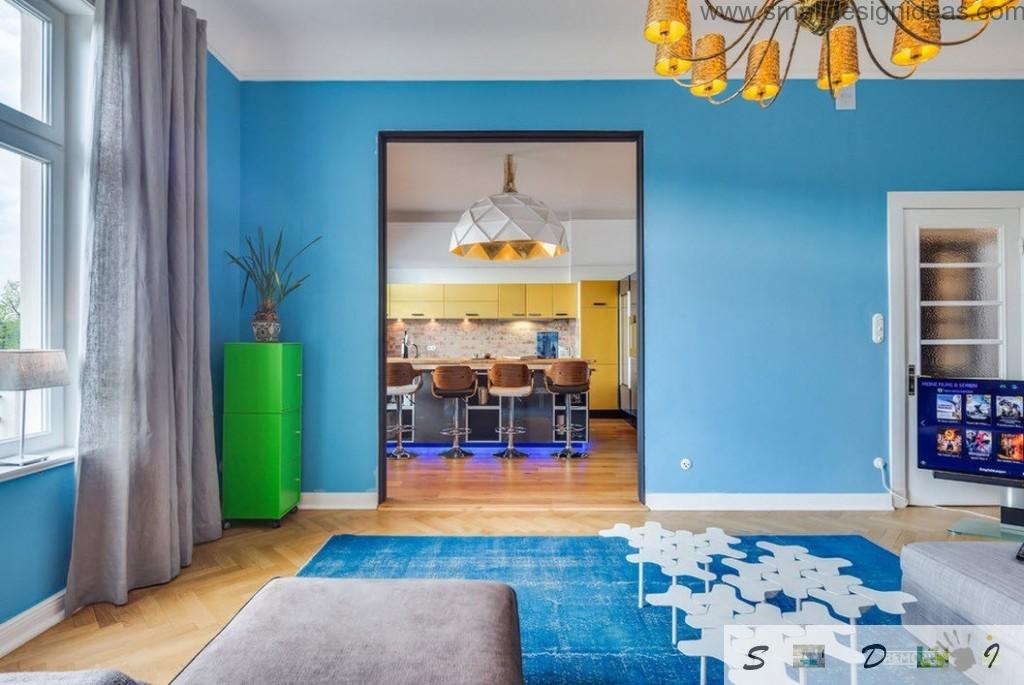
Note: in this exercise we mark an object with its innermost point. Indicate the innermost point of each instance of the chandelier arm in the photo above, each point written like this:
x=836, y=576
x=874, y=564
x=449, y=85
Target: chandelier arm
x=874, y=58
x=748, y=81
x=728, y=67
x=789, y=65
x=910, y=32
x=762, y=17
x=725, y=17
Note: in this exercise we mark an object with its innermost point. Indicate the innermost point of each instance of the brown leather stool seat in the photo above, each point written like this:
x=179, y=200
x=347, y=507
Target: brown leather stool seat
x=457, y=383
x=568, y=378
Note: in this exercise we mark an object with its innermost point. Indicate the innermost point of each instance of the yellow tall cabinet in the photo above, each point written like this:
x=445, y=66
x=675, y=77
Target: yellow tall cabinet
x=599, y=339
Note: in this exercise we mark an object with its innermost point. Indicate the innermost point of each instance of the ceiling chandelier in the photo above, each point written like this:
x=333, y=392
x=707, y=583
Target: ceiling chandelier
x=918, y=38
x=509, y=226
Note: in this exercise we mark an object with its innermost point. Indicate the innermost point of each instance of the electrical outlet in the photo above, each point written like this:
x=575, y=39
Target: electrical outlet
x=431, y=348
x=686, y=464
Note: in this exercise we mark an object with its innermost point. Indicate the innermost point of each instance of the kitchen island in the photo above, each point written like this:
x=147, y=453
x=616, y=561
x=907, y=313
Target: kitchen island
x=539, y=414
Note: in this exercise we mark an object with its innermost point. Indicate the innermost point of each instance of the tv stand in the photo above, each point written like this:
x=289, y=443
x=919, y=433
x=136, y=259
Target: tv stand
x=1010, y=525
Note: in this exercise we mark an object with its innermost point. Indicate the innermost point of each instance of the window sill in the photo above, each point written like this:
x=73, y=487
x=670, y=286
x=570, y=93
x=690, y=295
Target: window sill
x=58, y=457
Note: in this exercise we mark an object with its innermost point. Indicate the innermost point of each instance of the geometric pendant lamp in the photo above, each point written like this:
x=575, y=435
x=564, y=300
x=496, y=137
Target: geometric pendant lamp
x=509, y=226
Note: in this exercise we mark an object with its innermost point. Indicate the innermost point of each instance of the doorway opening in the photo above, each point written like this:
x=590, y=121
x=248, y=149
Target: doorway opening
x=511, y=253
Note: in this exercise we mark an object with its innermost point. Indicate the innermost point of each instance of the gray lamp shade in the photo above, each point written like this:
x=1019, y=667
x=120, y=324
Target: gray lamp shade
x=32, y=369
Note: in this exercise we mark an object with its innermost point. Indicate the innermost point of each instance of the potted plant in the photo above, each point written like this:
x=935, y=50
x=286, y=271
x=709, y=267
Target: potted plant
x=271, y=282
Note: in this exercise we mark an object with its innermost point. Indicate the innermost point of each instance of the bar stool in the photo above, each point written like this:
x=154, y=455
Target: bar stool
x=568, y=378
x=513, y=381
x=402, y=380
x=456, y=383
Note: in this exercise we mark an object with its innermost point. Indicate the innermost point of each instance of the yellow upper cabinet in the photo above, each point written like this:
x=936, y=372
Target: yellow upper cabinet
x=512, y=301
x=565, y=300
x=417, y=309
x=540, y=300
x=489, y=300
x=416, y=292
x=470, y=309
x=485, y=292
x=599, y=294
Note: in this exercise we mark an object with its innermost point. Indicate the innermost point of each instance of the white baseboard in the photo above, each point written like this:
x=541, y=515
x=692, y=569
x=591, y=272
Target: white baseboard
x=760, y=501
x=16, y=631
x=338, y=500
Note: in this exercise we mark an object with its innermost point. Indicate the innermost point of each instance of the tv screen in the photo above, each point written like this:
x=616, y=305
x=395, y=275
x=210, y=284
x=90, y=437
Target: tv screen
x=971, y=426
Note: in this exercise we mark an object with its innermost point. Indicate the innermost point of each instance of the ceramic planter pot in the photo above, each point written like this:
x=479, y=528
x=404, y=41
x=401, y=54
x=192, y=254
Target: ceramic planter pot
x=266, y=331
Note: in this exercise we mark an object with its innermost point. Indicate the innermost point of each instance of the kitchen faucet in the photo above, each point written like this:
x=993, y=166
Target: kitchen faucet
x=406, y=345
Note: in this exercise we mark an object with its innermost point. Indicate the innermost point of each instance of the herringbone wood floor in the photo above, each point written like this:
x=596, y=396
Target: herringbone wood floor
x=161, y=627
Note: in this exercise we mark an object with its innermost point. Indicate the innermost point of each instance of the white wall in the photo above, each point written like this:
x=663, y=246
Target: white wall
x=599, y=249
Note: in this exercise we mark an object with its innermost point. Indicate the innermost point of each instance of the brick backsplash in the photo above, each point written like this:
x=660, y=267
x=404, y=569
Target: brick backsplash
x=466, y=339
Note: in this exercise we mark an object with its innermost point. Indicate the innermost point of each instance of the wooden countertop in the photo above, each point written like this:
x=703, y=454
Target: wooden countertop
x=431, y=363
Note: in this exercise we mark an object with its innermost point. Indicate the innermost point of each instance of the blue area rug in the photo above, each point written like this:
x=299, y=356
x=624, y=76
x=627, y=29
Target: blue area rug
x=577, y=595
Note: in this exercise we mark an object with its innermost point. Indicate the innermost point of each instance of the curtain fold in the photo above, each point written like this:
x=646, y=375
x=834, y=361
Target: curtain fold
x=148, y=486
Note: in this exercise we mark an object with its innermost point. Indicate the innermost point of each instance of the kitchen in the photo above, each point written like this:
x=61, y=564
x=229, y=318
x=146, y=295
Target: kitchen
x=552, y=290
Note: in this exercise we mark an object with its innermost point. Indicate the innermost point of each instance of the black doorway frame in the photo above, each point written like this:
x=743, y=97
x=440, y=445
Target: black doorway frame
x=386, y=137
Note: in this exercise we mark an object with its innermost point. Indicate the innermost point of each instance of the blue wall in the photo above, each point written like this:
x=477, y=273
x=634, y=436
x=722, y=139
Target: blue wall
x=765, y=255
x=223, y=149
x=37, y=513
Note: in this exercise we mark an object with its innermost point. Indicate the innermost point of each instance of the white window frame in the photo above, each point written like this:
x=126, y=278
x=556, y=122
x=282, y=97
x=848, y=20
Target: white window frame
x=44, y=142
x=898, y=204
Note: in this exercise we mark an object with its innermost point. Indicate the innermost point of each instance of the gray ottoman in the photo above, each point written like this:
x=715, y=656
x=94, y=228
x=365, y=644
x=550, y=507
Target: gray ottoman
x=320, y=631
x=959, y=583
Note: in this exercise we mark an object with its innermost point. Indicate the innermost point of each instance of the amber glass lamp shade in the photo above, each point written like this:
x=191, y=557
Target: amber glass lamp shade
x=762, y=77
x=667, y=21
x=674, y=59
x=839, y=49
x=709, y=78
x=977, y=10
x=923, y=20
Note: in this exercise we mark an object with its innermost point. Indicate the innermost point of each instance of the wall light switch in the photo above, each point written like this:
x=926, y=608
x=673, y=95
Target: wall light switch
x=877, y=329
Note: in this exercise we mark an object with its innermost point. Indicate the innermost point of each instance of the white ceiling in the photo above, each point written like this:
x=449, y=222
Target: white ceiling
x=439, y=181
x=513, y=39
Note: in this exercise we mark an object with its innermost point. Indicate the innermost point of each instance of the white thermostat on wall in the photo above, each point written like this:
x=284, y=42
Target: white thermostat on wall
x=877, y=329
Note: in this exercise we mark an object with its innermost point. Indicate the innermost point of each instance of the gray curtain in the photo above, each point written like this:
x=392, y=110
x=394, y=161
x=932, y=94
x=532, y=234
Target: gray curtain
x=147, y=490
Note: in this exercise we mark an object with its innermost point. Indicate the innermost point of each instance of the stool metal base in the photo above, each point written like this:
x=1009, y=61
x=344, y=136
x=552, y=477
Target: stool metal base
x=455, y=452
x=569, y=453
x=401, y=453
x=510, y=453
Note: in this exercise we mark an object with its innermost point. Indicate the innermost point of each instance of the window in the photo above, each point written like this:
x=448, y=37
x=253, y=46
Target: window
x=31, y=207
x=23, y=59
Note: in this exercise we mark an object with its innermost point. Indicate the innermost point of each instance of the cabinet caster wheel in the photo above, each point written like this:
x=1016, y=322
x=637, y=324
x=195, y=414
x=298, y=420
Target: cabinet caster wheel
x=226, y=524
x=275, y=524
x=294, y=509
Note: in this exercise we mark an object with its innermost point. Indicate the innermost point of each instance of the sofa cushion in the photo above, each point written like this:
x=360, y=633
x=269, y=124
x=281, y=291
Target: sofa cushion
x=320, y=631
x=963, y=582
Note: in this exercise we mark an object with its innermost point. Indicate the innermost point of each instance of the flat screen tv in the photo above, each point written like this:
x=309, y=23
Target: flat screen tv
x=971, y=427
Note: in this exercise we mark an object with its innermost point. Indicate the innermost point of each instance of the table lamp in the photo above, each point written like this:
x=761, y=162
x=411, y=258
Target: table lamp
x=26, y=370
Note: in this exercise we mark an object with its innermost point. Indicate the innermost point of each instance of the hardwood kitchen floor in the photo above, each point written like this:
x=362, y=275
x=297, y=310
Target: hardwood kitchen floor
x=162, y=627
x=607, y=479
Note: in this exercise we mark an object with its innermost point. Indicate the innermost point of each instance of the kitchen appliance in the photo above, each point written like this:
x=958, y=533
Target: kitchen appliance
x=547, y=344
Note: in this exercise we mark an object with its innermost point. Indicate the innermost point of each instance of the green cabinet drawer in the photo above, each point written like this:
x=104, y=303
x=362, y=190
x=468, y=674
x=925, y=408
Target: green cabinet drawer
x=262, y=377
x=262, y=454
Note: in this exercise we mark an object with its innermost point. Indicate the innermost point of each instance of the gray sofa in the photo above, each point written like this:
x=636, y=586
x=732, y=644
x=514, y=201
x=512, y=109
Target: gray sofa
x=961, y=583
x=320, y=631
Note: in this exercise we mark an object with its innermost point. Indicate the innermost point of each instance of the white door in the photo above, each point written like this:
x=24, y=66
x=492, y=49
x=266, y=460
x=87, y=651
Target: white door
x=963, y=317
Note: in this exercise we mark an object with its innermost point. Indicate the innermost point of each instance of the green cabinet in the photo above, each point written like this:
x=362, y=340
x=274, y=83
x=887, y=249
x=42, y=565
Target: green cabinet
x=262, y=430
